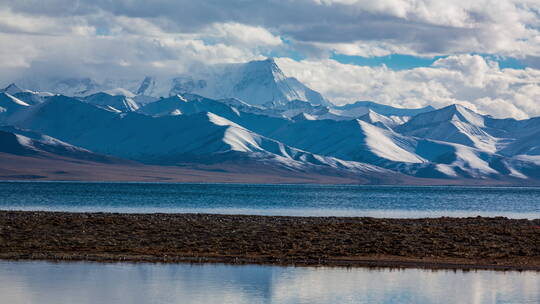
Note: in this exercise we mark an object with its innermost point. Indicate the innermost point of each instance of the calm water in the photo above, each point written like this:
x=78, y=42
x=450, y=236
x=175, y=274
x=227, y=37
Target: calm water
x=44, y=283
x=306, y=200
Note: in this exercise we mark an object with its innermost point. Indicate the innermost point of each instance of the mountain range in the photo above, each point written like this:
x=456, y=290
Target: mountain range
x=251, y=120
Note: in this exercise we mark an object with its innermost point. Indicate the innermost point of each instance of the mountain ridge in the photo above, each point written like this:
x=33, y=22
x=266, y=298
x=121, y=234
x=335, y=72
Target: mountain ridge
x=278, y=128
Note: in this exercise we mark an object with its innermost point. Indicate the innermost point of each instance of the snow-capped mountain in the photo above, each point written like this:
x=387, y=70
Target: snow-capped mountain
x=460, y=125
x=13, y=89
x=27, y=96
x=255, y=82
x=168, y=140
x=455, y=124
x=190, y=128
x=118, y=103
x=252, y=114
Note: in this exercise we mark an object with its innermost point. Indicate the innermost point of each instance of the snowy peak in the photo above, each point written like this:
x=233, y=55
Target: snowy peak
x=455, y=124
x=447, y=114
x=260, y=83
x=27, y=96
x=13, y=89
x=262, y=69
x=263, y=83
x=464, y=114
x=361, y=108
x=382, y=121
x=118, y=103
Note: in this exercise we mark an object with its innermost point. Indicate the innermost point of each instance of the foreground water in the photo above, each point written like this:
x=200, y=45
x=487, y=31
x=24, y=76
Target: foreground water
x=303, y=200
x=44, y=283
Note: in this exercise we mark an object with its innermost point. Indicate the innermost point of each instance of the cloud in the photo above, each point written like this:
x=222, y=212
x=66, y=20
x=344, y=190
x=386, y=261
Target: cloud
x=469, y=80
x=240, y=34
x=416, y=27
x=105, y=45
x=133, y=38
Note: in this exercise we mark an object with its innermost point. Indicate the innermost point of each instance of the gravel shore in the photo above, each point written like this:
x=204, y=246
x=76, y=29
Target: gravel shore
x=463, y=243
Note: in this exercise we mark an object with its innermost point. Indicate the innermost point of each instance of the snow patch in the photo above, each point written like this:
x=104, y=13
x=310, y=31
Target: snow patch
x=383, y=146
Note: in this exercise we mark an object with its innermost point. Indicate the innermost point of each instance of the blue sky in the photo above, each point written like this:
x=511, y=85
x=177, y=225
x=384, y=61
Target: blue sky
x=394, y=61
x=403, y=62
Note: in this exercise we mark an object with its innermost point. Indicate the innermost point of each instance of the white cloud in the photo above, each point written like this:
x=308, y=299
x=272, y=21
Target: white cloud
x=21, y=24
x=466, y=79
x=430, y=27
x=130, y=47
x=241, y=34
x=126, y=38
x=360, y=27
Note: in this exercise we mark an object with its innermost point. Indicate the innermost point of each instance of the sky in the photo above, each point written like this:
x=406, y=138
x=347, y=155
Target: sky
x=484, y=54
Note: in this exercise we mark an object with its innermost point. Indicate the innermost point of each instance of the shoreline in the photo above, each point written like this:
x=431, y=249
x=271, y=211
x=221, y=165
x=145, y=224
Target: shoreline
x=432, y=183
x=420, y=185
x=373, y=262
x=433, y=243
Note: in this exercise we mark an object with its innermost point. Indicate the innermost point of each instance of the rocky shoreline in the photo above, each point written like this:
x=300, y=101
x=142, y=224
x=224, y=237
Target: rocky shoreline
x=456, y=243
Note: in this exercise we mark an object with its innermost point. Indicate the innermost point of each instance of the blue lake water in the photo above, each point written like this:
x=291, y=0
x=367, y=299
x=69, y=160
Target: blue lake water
x=82, y=282
x=302, y=200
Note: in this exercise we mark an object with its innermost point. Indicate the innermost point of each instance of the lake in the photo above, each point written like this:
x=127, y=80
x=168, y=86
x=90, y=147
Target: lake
x=85, y=282
x=298, y=200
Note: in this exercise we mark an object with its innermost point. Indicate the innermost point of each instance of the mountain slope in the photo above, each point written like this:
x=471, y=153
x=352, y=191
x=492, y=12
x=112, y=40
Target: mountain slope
x=455, y=124
x=257, y=119
x=199, y=138
x=349, y=140
x=10, y=105
x=28, y=143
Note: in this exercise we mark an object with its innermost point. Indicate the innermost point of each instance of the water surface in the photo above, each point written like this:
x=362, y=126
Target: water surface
x=303, y=200
x=82, y=282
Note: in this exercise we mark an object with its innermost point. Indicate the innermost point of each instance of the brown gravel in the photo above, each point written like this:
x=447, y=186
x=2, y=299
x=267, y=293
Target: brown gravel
x=479, y=242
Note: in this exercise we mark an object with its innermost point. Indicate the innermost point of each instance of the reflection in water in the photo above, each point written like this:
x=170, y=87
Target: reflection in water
x=44, y=282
